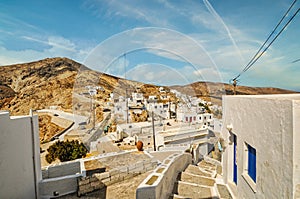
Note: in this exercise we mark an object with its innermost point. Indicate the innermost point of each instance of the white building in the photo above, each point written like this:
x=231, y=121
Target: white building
x=160, y=109
x=191, y=115
x=183, y=135
x=137, y=98
x=19, y=156
x=262, y=155
x=162, y=90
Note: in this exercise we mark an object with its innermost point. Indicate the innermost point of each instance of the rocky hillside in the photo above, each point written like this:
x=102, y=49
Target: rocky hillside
x=62, y=82
x=52, y=82
x=213, y=91
x=37, y=85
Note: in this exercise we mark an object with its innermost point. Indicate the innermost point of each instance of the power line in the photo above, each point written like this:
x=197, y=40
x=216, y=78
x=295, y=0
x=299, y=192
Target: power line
x=259, y=53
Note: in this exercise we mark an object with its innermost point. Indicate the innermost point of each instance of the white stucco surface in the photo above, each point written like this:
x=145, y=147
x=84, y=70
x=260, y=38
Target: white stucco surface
x=296, y=149
x=270, y=124
x=17, y=166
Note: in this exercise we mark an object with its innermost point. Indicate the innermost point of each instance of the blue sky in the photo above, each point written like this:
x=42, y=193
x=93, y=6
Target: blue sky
x=166, y=42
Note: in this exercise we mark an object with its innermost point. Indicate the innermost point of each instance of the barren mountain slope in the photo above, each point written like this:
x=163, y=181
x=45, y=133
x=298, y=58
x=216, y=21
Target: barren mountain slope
x=55, y=82
x=211, y=91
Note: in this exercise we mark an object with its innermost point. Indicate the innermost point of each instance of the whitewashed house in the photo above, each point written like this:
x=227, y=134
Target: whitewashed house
x=190, y=115
x=160, y=109
x=261, y=158
x=162, y=90
x=137, y=99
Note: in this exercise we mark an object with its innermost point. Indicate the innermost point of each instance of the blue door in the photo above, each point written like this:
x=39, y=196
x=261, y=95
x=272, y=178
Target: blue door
x=234, y=160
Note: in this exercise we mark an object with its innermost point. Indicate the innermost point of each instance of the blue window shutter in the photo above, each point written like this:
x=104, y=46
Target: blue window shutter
x=252, y=163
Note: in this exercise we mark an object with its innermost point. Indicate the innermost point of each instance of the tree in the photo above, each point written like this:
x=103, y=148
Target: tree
x=66, y=151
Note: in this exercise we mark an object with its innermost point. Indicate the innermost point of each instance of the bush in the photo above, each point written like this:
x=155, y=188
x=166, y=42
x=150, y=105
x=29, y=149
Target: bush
x=66, y=151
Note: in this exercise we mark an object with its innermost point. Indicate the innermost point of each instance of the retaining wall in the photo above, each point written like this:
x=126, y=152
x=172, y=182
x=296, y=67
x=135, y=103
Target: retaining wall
x=160, y=183
x=60, y=179
x=55, y=187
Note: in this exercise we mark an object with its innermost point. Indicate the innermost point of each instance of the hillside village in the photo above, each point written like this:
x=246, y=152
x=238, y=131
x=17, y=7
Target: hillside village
x=144, y=141
x=131, y=119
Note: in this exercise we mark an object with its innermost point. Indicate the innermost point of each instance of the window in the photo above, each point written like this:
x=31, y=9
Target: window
x=249, y=166
x=252, y=162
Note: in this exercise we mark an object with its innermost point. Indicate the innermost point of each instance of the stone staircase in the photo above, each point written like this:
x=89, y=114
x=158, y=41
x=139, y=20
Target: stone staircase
x=201, y=181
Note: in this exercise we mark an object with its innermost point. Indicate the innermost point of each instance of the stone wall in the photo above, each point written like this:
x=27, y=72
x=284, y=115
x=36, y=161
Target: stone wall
x=100, y=180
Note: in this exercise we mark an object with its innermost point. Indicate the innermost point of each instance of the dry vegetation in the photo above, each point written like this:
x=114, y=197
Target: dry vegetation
x=47, y=128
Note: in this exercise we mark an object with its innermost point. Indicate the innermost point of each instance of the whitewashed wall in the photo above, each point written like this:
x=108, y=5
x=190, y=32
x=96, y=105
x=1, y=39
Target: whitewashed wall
x=296, y=150
x=269, y=124
x=17, y=167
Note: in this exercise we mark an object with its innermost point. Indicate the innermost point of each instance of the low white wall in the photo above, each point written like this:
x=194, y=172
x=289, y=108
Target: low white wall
x=55, y=187
x=62, y=169
x=60, y=179
x=159, y=184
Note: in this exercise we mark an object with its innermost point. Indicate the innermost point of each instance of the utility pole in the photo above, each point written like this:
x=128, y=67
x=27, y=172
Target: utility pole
x=153, y=128
x=234, y=86
x=93, y=91
x=94, y=113
x=169, y=108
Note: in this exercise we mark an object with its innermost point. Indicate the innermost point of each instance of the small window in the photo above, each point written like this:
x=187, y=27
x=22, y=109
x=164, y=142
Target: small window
x=252, y=162
x=249, y=166
x=199, y=118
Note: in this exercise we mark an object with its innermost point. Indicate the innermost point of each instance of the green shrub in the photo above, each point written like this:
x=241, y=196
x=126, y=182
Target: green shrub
x=66, y=151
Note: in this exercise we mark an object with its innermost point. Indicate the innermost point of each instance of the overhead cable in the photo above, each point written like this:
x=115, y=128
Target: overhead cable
x=259, y=53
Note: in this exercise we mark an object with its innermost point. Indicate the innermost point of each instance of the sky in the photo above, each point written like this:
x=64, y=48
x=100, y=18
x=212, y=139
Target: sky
x=158, y=41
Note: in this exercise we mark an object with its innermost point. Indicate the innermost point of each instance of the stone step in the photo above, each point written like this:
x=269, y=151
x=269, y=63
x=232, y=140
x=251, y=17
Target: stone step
x=223, y=191
x=198, y=171
x=197, y=179
x=205, y=163
x=191, y=190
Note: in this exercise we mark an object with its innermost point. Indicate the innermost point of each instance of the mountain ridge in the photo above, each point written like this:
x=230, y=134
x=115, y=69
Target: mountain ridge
x=50, y=82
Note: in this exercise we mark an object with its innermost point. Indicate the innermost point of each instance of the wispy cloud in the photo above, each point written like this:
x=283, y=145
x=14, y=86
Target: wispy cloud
x=55, y=41
x=161, y=42
x=126, y=9
x=160, y=74
x=13, y=22
x=56, y=46
x=220, y=20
